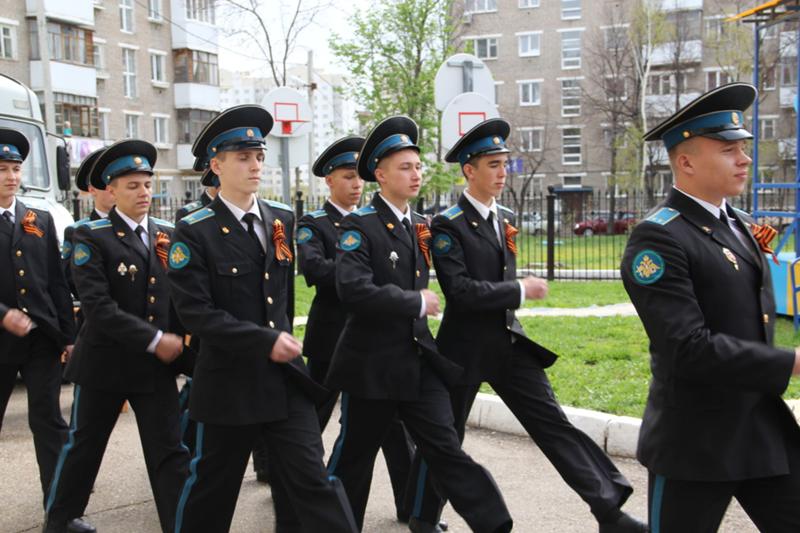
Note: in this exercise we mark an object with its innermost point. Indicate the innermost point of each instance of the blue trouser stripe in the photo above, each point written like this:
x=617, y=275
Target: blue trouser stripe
x=656, y=501
x=62, y=457
x=190, y=481
x=337, y=447
x=423, y=473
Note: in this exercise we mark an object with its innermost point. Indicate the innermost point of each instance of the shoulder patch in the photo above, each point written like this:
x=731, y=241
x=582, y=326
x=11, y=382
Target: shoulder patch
x=162, y=222
x=304, y=234
x=81, y=255
x=66, y=250
x=319, y=213
x=506, y=209
x=453, y=212
x=278, y=205
x=742, y=213
x=98, y=224
x=366, y=210
x=179, y=255
x=442, y=244
x=350, y=241
x=197, y=216
x=80, y=222
x=648, y=267
x=663, y=216
x=193, y=206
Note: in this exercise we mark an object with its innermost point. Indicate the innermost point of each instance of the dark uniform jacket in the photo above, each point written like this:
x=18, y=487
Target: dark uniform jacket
x=384, y=342
x=122, y=311
x=33, y=281
x=317, y=236
x=714, y=411
x=478, y=278
x=237, y=301
x=191, y=207
x=68, y=245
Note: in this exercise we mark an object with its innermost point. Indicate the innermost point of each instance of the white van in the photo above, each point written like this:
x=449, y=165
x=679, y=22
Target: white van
x=45, y=171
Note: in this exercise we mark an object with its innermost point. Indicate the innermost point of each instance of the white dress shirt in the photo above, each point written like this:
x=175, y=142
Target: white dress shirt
x=12, y=209
x=341, y=209
x=716, y=210
x=239, y=213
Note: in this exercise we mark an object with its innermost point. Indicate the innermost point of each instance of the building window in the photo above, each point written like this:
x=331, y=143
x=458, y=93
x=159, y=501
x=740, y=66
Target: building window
x=528, y=3
x=126, y=15
x=192, y=186
x=102, y=123
x=78, y=113
x=768, y=78
x=570, y=98
x=767, y=129
x=154, y=10
x=530, y=92
x=129, y=72
x=571, y=49
x=191, y=122
x=716, y=78
x=615, y=37
x=571, y=146
x=480, y=6
x=688, y=24
x=788, y=72
x=160, y=131
x=610, y=139
x=200, y=10
x=8, y=41
x=529, y=44
x=99, y=55
x=572, y=181
x=662, y=84
x=570, y=9
x=530, y=139
x=616, y=88
x=485, y=48
x=715, y=28
x=193, y=66
x=158, y=67
x=131, y=126
x=65, y=42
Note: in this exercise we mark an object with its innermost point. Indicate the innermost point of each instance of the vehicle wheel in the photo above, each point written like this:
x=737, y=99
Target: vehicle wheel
x=588, y=232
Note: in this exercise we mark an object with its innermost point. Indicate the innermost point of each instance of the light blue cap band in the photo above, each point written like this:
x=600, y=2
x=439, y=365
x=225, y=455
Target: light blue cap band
x=398, y=140
x=347, y=158
x=232, y=138
x=709, y=123
x=9, y=152
x=493, y=143
x=124, y=165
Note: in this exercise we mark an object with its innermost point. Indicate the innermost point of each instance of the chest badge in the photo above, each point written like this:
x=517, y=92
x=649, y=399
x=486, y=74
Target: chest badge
x=393, y=257
x=132, y=270
x=730, y=257
x=122, y=269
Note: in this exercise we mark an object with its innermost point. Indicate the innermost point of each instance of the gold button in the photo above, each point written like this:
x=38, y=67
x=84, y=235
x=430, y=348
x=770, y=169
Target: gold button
x=152, y=299
x=415, y=339
x=152, y=280
x=23, y=291
x=271, y=324
x=508, y=328
x=19, y=253
x=505, y=268
x=234, y=270
x=24, y=309
x=417, y=273
x=21, y=272
x=151, y=318
x=766, y=318
x=269, y=299
x=266, y=275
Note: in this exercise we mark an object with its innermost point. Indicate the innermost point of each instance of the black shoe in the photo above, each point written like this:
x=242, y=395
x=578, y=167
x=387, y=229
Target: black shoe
x=79, y=525
x=625, y=523
x=443, y=525
x=402, y=517
x=418, y=526
x=262, y=476
x=54, y=527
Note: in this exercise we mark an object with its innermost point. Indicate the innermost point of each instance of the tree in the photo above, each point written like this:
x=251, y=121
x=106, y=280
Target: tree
x=534, y=149
x=392, y=53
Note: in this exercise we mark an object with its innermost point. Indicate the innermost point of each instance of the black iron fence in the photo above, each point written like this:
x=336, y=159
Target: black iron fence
x=571, y=235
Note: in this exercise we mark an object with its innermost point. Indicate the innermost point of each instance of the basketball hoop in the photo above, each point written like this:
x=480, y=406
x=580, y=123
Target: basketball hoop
x=287, y=113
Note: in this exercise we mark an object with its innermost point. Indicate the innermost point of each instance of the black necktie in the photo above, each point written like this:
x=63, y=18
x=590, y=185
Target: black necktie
x=139, y=230
x=7, y=217
x=249, y=219
x=724, y=218
x=407, y=225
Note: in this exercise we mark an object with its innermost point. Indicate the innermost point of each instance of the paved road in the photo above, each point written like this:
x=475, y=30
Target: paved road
x=538, y=498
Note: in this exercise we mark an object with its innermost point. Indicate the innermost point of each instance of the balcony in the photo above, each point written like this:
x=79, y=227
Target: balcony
x=787, y=96
x=787, y=148
x=664, y=104
x=80, y=147
x=79, y=12
x=678, y=5
x=197, y=96
x=185, y=157
x=66, y=78
x=691, y=52
x=190, y=33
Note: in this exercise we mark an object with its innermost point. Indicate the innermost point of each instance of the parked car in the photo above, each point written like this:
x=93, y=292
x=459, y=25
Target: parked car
x=623, y=221
x=534, y=224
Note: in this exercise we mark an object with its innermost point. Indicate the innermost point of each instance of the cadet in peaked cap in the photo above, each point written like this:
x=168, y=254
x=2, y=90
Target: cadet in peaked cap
x=391, y=135
x=696, y=270
x=488, y=137
x=122, y=158
x=14, y=146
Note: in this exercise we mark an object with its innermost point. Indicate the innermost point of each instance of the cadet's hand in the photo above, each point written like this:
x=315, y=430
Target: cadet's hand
x=432, y=306
x=67, y=353
x=169, y=347
x=17, y=323
x=796, y=368
x=535, y=288
x=285, y=348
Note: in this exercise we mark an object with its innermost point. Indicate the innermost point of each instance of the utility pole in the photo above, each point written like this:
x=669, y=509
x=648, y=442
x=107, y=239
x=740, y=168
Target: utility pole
x=44, y=57
x=312, y=183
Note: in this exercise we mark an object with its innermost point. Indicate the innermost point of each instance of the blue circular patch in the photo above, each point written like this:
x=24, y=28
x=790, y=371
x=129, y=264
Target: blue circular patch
x=350, y=241
x=179, y=255
x=304, y=235
x=81, y=255
x=66, y=250
x=648, y=267
x=442, y=244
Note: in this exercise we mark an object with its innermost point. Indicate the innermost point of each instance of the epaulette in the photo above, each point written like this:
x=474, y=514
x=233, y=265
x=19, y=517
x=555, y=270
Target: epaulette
x=319, y=213
x=162, y=222
x=741, y=212
x=452, y=212
x=197, y=216
x=80, y=222
x=366, y=210
x=97, y=224
x=418, y=214
x=663, y=216
x=278, y=205
x=504, y=208
x=194, y=206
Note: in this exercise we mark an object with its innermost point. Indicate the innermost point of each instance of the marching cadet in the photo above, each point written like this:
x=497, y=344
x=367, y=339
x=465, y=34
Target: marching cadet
x=714, y=426
x=126, y=345
x=232, y=276
x=386, y=362
x=210, y=181
x=474, y=252
x=36, y=311
x=317, y=235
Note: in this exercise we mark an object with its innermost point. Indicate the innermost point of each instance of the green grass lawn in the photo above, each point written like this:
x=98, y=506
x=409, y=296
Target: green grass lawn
x=572, y=252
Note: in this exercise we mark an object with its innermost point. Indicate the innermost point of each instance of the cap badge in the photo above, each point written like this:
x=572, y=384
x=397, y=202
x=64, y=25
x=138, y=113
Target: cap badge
x=686, y=134
x=735, y=118
x=249, y=132
x=6, y=149
x=404, y=138
x=496, y=140
x=137, y=160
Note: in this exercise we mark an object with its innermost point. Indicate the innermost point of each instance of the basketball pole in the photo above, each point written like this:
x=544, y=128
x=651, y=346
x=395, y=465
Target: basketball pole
x=286, y=179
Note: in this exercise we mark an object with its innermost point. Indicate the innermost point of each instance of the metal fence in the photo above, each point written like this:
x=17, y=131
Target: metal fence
x=578, y=235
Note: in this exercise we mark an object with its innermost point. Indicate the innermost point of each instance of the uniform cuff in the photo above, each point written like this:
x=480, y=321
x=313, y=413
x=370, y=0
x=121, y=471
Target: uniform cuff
x=151, y=348
x=521, y=293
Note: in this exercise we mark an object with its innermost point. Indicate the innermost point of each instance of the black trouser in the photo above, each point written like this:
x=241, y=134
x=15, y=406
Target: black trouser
x=429, y=420
x=94, y=414
x=528, y=394
x=208, y=499
x=773, y=503
x=41, y=372
x=397, y=447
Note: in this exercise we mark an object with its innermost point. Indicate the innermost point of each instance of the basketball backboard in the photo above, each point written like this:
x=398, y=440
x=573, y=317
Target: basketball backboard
x=463, y=113
x=290, y=110
x=462, y=73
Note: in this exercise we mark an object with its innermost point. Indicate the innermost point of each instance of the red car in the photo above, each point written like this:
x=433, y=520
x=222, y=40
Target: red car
x=599, y=225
